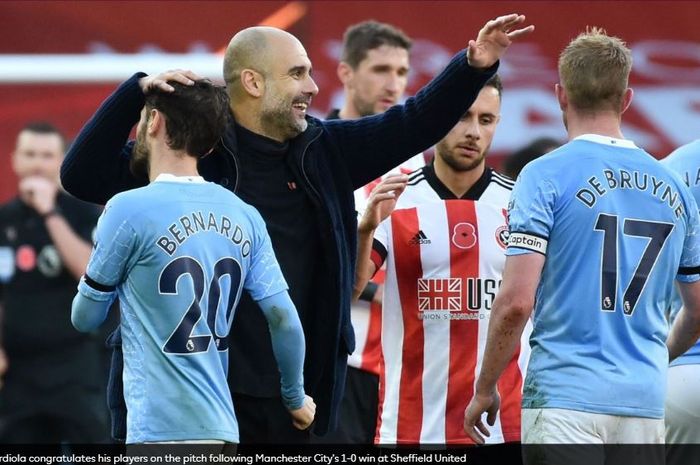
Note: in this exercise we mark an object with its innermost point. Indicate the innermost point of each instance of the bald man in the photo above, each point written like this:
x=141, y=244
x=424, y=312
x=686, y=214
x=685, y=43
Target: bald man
x=300, y=173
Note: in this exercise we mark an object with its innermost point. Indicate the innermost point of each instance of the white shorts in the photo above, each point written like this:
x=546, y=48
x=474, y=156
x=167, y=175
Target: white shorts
x=683, y=405
x=568, y=437
x=562, y=426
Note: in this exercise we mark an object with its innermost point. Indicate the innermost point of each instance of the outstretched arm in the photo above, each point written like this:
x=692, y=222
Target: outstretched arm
x=371, y=146
x=288, y=347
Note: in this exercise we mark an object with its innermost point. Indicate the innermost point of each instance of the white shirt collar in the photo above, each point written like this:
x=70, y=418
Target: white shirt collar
x=167, y=177
x=606, y=140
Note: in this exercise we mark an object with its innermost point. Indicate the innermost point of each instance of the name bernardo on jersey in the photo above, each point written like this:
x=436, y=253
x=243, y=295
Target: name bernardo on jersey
x=622, y=179
x=194, y=223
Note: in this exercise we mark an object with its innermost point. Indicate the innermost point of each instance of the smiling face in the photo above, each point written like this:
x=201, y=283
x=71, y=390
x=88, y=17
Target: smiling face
x=464, y=148
x=289, y=89
x=379, y=80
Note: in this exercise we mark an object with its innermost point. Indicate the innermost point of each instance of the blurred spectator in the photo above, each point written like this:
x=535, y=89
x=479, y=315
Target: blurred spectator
x=52, y=389
x=374, y=71
x=521, y=157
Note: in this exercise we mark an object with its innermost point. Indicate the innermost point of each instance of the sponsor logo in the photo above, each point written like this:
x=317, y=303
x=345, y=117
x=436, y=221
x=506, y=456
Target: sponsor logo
x=419, y=238
x=527, y=241
x=49, y=262
x=456, y=298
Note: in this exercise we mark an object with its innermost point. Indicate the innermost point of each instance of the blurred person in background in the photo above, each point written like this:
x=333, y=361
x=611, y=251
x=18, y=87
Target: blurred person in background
x=683, y=395
x=524, y=155
x=374, y=70
x=53, y=387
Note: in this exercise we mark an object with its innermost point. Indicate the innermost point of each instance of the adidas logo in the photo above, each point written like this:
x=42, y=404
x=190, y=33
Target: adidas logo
x=419, y=238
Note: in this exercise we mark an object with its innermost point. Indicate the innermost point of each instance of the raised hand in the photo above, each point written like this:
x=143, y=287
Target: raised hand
x=304, y=415
x=160, y=81
x=473, y=425
x=381, y=201
x=39, y=193
x=494, y=38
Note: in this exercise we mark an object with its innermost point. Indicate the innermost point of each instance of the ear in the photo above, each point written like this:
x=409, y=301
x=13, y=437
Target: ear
x=562, y=98
x=155, y=121
x=345, y=72
x=627, y=99
x=253, y=82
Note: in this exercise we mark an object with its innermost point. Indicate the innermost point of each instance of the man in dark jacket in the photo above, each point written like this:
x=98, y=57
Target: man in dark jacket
x=300, y=174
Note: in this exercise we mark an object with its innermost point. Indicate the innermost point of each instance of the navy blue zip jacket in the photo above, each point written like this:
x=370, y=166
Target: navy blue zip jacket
x=333, y=157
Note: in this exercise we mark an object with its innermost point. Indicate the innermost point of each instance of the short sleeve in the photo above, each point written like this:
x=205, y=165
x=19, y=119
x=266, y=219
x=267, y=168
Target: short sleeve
x=380, y=244
x=530, y=213
x=112, y=255
x=264, y=277
x=689, y=268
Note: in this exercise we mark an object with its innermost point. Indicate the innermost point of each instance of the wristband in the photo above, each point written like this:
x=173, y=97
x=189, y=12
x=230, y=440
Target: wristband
x=369, y=291
x=54, y=211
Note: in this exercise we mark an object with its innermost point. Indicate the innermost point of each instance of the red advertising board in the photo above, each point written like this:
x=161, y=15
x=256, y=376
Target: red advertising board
x=663, y=36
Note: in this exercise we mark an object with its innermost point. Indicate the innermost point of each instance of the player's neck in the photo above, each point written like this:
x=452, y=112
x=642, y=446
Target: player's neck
x=458, y=182
x=177, y=164
x=602, y=124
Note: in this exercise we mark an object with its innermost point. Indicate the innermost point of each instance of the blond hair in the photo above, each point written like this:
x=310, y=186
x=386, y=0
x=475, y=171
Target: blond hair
x=594, y=70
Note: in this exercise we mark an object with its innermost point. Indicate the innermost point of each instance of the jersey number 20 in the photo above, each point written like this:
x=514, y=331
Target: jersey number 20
x=181, y=341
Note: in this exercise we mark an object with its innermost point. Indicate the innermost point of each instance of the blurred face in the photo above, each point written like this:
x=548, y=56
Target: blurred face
x=379, y=80
x=38, y=154
x=464, y=147
x=289, y=89
x=140, y=155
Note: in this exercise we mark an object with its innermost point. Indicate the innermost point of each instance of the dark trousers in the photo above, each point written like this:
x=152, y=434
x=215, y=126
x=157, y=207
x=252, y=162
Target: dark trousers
x=266, y=421
x=358, y=410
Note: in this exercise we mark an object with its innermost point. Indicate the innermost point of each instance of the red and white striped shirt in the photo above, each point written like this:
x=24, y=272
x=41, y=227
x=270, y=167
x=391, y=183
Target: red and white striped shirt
x=444, y=263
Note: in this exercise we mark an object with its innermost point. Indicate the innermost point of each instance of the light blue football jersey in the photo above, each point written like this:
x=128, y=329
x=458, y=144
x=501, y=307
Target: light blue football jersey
x=616, y=227
x=179, y=251
x=686, y=161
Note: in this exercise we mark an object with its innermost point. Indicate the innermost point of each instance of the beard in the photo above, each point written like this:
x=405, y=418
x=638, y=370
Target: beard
x=140, y=156
x=277, y=118
x=454, y=162
x=363, y=107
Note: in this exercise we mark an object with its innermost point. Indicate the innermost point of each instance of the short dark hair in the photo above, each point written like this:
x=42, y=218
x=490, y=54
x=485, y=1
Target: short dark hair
x=44, y=127
x=195, y=116
x=368, y=35
x=495, y=82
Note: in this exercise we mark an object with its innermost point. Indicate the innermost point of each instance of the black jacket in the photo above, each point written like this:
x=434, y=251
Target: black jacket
x=333, y=159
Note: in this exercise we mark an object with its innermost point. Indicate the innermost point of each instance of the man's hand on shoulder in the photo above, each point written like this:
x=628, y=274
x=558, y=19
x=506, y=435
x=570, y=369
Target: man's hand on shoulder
x=304, y=415
x=494, y=38
x=160, y=81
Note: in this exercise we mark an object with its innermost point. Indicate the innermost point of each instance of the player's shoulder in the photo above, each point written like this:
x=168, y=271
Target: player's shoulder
x=685, y=154
x=501, y=181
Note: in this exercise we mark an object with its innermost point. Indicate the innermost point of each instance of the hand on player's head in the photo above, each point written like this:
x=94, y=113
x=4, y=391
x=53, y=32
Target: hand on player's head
x=494, y=38
x=304, y=415
x=160, y=81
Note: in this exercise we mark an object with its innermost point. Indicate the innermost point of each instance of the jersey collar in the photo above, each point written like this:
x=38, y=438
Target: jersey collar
x=474, y=192
x=166, y=177
x=606, y=140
